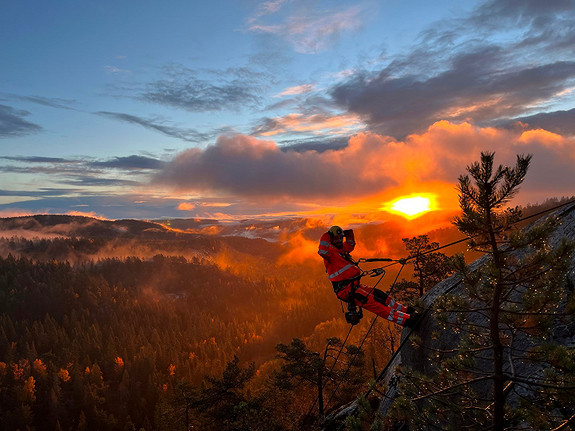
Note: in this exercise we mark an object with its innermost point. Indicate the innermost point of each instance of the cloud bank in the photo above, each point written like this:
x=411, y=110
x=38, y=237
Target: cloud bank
x=244, y=166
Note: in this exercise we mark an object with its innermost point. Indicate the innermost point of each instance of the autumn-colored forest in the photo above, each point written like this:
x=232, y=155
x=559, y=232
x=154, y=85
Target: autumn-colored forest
x=131, y=329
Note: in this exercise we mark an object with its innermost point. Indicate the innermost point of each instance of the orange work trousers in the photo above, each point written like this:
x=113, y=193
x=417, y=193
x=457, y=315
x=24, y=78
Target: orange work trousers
x=376, y=301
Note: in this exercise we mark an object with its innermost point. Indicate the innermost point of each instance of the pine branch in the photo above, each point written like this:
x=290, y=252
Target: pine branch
x=442, y=391
x=539, y=384
x=531, y=313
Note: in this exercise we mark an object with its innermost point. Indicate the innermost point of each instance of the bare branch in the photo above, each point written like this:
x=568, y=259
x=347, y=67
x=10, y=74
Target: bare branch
x=565, y=424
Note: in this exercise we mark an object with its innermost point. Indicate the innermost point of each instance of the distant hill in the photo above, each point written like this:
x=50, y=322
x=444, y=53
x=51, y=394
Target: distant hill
x=80, y=237
x=271, y=230
x=81, y=226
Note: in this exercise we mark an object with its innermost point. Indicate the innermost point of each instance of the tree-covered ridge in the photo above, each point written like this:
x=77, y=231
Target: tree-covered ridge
x=97, y=343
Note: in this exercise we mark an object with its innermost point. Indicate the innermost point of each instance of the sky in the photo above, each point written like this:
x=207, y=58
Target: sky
x=261, y=109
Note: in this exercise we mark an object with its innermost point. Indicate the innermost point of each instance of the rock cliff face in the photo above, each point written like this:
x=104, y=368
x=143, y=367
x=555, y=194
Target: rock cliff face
x=424, y=357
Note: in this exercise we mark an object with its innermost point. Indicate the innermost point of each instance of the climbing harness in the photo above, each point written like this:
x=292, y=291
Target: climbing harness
x=354, y=312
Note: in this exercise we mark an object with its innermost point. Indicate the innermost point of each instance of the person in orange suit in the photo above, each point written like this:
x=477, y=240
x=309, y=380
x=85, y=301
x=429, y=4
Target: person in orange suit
x=345, y=275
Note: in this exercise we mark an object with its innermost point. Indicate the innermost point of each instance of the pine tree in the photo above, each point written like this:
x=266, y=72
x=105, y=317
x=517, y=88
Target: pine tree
x=481, y=219
x=301, y=365
x=331, y=378
x=429, y=267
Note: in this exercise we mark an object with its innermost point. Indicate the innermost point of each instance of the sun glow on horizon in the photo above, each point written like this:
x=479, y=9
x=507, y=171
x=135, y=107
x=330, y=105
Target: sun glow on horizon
x=411, y=206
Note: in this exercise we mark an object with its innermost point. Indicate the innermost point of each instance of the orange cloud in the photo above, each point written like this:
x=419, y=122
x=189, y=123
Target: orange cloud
x=186, y=206
x=15, y=213
x=189, y=206
x=369, y=167
x=207, y=230
x=87, y=214
x=319, y=124
x=426, y=164
x=216, y=204
x=542, y=137
x=298, y=89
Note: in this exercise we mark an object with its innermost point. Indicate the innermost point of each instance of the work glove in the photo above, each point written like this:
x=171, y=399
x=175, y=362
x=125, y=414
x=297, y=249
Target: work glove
x=349, y=238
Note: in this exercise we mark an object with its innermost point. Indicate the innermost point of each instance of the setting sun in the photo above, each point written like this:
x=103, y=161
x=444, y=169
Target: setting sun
x=411, y=207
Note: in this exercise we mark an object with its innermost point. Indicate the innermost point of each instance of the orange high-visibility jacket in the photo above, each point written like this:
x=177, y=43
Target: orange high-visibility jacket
x=337, y=267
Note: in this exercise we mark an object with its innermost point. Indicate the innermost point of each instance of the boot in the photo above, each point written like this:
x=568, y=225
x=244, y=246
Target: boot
x=354, y=315
x=413, y=321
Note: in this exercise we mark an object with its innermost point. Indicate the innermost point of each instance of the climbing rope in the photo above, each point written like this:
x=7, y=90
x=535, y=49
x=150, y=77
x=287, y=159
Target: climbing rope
x=349, y=332
x=362, y=342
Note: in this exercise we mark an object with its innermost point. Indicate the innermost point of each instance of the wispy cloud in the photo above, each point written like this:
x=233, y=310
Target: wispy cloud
x=298, y=89
x=12, y=123
x=38, y=159
x=266, y=8
x=53, y=102
x=185, y=88
x=537, y=17
x=129, y=163
x=114, y=70
x=79, y=173
x=42, y=192
x=158, y=125
x=317, y=124
x=97, y=181
x=59, y=173
x=41, y=164
x=189, y=206
x=113, y=206
x=306, y=27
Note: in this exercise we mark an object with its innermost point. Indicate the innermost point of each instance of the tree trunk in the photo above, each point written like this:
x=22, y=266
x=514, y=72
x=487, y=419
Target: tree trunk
x=320, y=391
x=494, y=335
x=498, y=377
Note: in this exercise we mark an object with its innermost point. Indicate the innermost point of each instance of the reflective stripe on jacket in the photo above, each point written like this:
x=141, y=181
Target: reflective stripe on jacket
x=337, y=267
